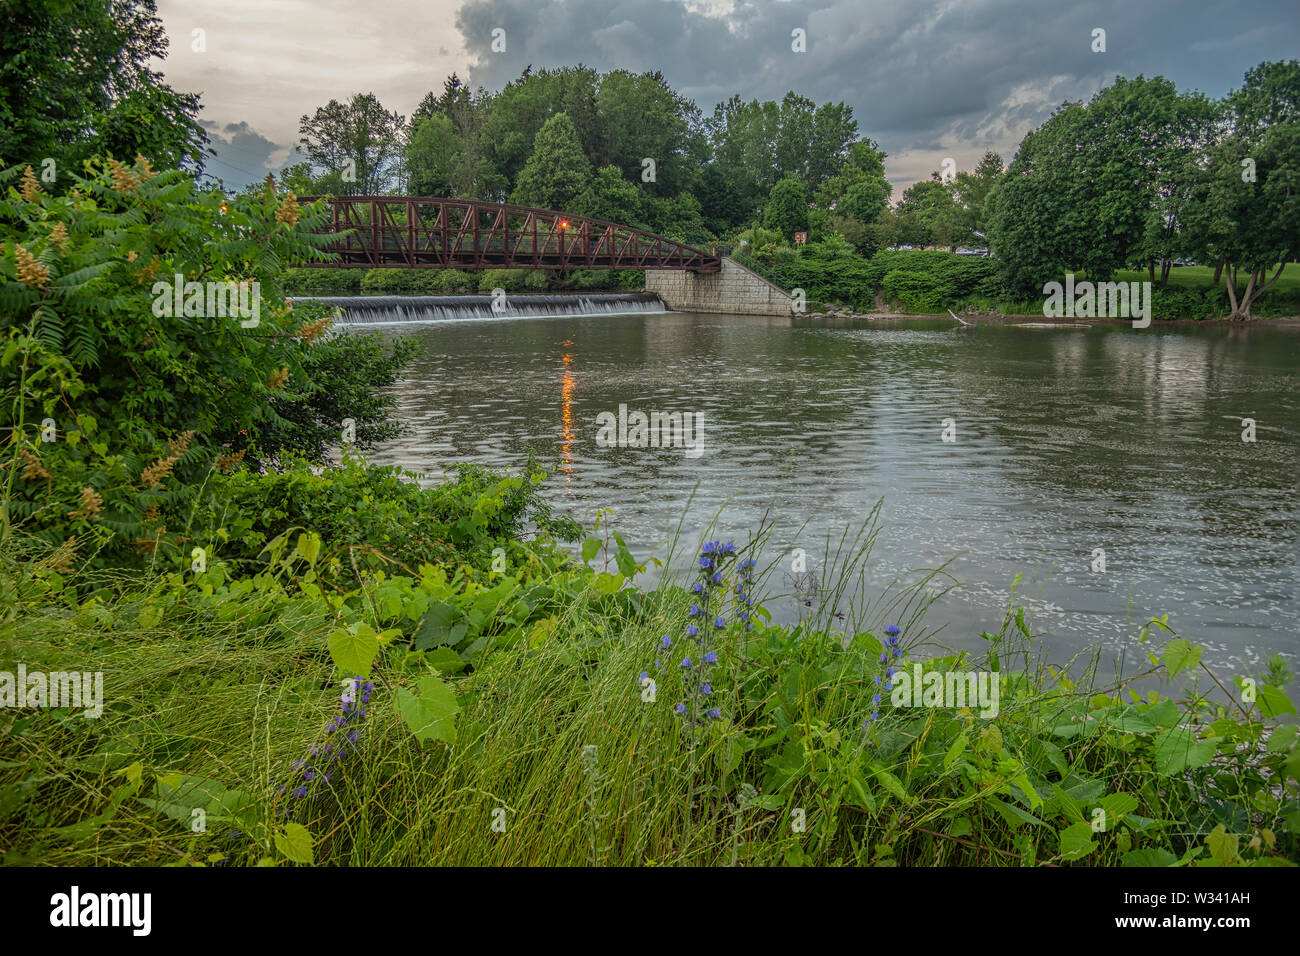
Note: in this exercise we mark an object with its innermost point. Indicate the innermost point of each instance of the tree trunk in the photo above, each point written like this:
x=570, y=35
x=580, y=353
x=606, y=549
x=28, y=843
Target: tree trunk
x=1247, y=297
x=1218, y=272
x=1232, y=291
x=1151, y=269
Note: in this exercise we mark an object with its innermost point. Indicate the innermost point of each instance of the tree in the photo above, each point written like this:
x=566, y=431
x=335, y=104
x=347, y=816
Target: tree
x=447, y=150
x=1245, y=212
x=353, y=147
x=640, y=117
x=514, y=117
x=791, y=139
x=434, y=158
x=786, y=211
x=724, y=199
x=75, y=83
x=557, y=172
x=680, y=218
x=970, y=191
x=611, y=197
x=928, y=212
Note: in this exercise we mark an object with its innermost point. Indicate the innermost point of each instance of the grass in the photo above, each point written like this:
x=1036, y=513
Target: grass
x=1202, y=277
x=208, y=708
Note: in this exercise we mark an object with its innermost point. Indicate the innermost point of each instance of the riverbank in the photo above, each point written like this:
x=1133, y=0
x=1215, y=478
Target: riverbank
x=1291, y=322
x=539, y=711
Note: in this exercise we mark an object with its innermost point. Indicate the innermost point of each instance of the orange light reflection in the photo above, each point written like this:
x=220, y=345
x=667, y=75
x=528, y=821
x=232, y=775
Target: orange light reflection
x=566, y=417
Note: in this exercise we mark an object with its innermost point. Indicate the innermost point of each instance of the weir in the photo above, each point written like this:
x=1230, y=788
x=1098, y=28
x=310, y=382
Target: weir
x=382, y=309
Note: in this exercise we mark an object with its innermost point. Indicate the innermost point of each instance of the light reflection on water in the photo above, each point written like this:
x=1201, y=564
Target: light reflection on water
x=1067, y=440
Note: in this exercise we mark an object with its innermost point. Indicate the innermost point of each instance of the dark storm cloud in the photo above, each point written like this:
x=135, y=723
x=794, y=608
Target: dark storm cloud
x=925, y=79
x=242, y=154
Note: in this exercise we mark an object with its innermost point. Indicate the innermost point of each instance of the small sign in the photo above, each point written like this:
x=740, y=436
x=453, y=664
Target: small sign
x=800, y=238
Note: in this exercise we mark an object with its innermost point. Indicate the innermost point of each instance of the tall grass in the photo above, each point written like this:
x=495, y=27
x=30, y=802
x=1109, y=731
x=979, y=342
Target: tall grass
x=234, y=694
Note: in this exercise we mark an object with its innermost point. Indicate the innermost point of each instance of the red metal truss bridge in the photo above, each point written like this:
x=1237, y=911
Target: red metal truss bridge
x=394, y=232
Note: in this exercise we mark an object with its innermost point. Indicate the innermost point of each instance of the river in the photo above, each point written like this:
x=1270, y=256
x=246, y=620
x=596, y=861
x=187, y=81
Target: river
x=1064, y=441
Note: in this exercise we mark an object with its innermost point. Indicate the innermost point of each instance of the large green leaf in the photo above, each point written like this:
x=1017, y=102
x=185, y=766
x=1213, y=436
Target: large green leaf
x=1180, y=656
x=1274, y=703
x=354, y=648
x=1076, y=841
x=435, y=628
x=432, y=715
x=295, y=843
x=1151, y=857
x=1177, y=749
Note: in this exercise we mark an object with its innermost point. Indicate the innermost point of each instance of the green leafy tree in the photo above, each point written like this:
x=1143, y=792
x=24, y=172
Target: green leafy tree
x=641, y=117
x=448, y=152
x=516, y=115
x=557, y=172
x=970, y=192
x=611, y=197
x=1245, y=212
x=353, y=147
x=786, y=211
x=75, y=82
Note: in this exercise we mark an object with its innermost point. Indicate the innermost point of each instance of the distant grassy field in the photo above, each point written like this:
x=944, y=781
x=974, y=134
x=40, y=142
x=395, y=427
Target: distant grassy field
x=1200, y=277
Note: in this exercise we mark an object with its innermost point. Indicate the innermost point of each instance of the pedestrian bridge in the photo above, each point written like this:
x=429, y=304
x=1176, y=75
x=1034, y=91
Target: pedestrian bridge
x=395, y=232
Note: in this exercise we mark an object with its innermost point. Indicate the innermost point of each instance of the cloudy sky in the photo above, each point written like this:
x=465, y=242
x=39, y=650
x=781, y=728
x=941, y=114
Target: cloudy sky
x=927, y=79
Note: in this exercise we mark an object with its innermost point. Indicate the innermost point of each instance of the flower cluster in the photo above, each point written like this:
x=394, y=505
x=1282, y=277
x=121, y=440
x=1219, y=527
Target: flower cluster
x=705, y=622
x=888, y=659
x=745, y=593
x=344, y=732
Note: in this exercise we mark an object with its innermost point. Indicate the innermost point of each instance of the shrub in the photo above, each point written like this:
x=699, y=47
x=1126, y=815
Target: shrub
x=323, y=281
x=512, y=280
x=450, y=282
x=394, y=281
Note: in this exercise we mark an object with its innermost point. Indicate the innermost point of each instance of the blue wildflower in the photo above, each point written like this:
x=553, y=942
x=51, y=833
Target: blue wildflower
x=711, y=657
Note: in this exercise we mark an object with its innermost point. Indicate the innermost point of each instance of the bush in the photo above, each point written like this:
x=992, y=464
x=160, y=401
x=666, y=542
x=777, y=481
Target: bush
x=375, y=511
x=395, y=281
x=323, y=281
x=915, y=291
x=117, y=405
x=512, y=280
x=450, y=282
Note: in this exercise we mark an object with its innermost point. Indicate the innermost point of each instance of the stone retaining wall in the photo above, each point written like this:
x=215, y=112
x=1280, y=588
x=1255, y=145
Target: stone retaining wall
x=734, y=290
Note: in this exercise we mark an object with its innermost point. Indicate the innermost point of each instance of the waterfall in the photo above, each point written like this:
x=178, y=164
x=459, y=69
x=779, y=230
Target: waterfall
x=384, y=309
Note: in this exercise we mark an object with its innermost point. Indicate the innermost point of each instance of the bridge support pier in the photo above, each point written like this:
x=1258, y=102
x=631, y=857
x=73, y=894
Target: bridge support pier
x=733, y=290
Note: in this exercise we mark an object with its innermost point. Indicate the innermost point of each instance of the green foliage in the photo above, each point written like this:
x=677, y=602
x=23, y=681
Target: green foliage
x=104, y=100
x=786, y=210
x=362, y=511
x=323, y=281
x=557, y=171
x=352, y=147
x=612, y=198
